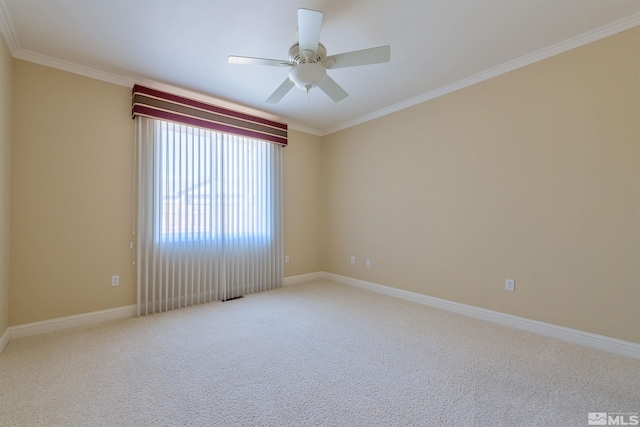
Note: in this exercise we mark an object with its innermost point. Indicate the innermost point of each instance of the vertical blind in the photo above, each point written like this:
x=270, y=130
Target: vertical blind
x=209, y=215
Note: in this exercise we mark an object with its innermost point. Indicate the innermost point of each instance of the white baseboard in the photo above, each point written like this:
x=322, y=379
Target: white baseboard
x=37, y=328
x=294, y=280
x=613, y=345
x=4, y=339
x=601, y=342
x=61, y=323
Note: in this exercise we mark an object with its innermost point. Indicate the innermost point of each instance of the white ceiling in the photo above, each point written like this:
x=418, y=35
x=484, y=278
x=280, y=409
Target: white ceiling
x=436, y=45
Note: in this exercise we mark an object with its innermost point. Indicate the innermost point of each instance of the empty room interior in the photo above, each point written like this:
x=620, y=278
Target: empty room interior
x=452, y=213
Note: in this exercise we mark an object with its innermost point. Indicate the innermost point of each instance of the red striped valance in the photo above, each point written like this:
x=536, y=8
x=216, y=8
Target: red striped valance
x=165, y=106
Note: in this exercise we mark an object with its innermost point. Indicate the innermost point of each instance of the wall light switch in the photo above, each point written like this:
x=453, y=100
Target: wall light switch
x=286, y=259
x=353, y=260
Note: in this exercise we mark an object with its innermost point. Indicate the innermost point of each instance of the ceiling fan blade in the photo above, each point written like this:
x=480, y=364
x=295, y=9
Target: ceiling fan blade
x=309, y=23
x=282, y=90
x=246, y=60
x=333, y=89
x=374, y=55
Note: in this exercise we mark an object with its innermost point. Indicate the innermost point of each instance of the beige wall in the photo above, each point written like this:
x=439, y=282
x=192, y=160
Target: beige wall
x=302, y=213
x=533, y=175
x=72, y=183
x=71, y=195
x=5, y=179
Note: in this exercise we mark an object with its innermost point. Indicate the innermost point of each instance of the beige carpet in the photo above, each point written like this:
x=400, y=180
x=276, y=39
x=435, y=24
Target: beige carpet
x=317, y=354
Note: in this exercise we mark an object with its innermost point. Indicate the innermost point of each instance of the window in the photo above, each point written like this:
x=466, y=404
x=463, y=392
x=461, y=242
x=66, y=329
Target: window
x=209, y=215
x=211, y=185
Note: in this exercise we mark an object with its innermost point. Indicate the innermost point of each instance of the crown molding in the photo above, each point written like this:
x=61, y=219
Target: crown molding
x=306, y=129
x=6, y=28
x=129, y=81
x=71, y=67
x=572, y=43
x=8, y=32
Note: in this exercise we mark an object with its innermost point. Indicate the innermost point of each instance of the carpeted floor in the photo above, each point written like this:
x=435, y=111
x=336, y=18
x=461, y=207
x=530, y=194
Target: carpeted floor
x=316, y=354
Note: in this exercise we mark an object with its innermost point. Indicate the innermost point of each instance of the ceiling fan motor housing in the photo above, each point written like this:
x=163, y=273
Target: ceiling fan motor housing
x=298, y=57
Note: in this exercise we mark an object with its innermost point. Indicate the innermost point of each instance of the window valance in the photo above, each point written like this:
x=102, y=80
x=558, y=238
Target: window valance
x=156, y=104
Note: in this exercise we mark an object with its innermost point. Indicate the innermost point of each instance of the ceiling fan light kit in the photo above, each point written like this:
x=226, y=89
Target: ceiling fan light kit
x=309, y=61
x=307, y=75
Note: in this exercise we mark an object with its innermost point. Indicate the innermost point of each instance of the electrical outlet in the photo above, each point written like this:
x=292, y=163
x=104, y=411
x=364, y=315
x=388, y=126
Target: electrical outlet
x=367, y=263
x=353, y=260
x=510, y=285
x=115, y=280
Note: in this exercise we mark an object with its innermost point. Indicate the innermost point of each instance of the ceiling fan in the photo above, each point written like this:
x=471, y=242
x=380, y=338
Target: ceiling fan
x=309, y=62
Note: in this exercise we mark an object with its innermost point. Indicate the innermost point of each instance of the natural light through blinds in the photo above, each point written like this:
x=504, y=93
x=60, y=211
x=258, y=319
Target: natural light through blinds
x=209, y=215
x=211, y=186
